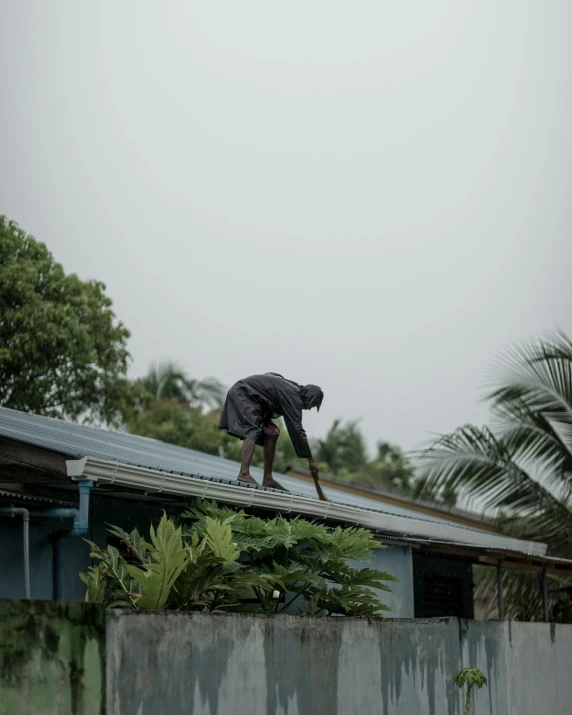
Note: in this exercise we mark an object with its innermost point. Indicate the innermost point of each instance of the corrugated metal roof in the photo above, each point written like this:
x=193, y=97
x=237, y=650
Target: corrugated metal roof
x=479, y=550
x=393, y=495
x=14, y=495
x=78, y=441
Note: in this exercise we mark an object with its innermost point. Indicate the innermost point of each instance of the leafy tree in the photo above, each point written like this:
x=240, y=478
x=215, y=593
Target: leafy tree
x=219, y=554
x=343, y=454
x=390, y=468
x=166, y=381
x=469, y=677
x=173, y=422
x=62, y=353
x=446, y=495
x=521, y=468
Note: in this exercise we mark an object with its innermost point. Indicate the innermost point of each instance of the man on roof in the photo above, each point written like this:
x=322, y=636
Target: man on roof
x=250, y=407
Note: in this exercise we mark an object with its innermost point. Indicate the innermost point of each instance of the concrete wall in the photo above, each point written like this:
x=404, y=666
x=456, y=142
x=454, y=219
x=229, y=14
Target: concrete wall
x=53, y=661
x=205, y=664
x=529, y=665
x=52, y=658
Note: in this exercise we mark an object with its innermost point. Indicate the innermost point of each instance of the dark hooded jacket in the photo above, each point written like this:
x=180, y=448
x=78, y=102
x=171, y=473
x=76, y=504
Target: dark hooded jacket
x=254, y=402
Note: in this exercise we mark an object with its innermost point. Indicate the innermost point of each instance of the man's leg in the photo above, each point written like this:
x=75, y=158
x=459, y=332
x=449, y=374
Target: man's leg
x=270, y=441
x=247, y=453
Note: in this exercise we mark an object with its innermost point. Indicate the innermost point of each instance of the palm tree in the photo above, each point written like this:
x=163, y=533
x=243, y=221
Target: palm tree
x=343, y=447
x=520, y=468
x=167, y=381
x=391, y=469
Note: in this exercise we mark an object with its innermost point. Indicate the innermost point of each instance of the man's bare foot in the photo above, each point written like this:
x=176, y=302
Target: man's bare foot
x=272, y=484
x=247, y=478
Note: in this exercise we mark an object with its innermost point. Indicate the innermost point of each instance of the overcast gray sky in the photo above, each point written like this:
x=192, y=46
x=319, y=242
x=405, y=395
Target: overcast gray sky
x=373, y=196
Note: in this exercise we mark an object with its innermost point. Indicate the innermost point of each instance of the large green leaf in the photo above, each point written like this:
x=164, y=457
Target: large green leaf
x=170, y=557
x=219, y=540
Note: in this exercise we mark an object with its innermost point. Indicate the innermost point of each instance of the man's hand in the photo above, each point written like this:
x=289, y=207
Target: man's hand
x=315, y=472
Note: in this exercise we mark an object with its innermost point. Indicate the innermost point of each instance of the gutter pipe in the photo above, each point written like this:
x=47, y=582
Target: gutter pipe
x=79, y=516
x=79, y=529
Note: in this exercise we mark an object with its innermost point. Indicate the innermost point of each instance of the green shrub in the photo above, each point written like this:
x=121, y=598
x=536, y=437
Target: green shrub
x=218, y=555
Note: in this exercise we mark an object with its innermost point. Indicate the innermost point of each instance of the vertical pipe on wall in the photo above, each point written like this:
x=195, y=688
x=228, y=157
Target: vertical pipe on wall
x=57, y=565
x=500, y=592
x=79, y=529
x=26, y=520
x=545, y=596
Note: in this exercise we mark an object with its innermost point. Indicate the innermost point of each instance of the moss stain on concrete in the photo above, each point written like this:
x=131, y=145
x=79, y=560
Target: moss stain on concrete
x=52, y=658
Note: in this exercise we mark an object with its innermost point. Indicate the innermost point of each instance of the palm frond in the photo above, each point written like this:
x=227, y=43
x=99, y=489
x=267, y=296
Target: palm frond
x=166, y=380
x=478, y=464
x=532, y=406
x=524, y=465
x=536, y=375
x=544, y=444
x=209, y=391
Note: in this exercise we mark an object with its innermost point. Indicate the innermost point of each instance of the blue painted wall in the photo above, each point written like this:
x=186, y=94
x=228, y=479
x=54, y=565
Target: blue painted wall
x=397, y=561
x=12, y=558
x=128, y=514
x=75, y=552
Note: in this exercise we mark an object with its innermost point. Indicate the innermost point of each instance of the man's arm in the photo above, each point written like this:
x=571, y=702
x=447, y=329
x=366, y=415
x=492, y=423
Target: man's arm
x=293, y=420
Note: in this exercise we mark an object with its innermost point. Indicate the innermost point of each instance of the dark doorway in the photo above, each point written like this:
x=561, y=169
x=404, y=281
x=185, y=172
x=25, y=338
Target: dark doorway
x=442, y=587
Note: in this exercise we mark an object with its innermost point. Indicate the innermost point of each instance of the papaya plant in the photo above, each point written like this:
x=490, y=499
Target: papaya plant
x=198, y=573
x=469, y=677
x=309, y=561
x=219, y=554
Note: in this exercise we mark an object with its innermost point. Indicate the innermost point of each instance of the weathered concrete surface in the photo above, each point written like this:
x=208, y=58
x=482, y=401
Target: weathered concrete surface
x=52, y=658
x=528, y=666
x=206, y=664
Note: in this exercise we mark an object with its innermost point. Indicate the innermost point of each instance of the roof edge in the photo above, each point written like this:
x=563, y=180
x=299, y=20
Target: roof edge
x=155, y=482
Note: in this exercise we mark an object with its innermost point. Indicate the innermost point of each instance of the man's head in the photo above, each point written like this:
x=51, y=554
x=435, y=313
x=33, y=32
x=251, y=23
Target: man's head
x=312, y=396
